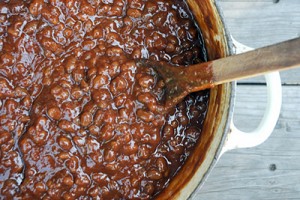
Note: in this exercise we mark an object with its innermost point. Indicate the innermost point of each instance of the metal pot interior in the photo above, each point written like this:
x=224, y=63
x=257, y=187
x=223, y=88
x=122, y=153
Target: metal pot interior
x=216, y=124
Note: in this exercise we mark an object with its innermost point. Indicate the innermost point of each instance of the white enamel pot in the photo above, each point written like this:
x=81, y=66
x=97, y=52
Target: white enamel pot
x=219, y=134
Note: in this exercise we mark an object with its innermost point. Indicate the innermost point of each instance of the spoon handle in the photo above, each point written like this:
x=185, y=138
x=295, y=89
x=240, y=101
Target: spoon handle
x=276, y=57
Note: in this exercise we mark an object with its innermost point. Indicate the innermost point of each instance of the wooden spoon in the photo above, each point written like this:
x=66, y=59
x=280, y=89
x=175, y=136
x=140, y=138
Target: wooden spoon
x=180, y=81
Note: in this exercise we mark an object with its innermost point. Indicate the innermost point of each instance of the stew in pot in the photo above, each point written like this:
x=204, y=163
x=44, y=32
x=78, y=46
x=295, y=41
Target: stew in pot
x=78, y=119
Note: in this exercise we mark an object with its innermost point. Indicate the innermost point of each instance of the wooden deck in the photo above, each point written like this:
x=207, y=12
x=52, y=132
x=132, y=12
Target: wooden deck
x=271, y=170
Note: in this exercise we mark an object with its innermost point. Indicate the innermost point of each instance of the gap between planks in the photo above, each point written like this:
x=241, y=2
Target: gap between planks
x=247, y=174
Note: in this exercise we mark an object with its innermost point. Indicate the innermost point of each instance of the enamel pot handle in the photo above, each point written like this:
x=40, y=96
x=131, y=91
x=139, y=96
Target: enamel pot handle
x=239, y=139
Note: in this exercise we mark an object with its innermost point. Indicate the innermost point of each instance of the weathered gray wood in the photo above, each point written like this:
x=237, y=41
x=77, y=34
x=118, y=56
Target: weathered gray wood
x=290, y=77
x=258, y=23
x=269, y=171
x=249, y=173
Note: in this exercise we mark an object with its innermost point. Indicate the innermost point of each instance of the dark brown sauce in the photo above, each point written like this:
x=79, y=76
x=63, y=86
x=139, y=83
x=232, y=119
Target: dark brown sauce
x=78, y=119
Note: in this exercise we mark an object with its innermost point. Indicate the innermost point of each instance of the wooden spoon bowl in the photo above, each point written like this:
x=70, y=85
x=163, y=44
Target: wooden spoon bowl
x=181, y=80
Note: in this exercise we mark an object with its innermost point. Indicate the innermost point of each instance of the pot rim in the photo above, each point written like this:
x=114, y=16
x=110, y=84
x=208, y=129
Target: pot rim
x=218, y=153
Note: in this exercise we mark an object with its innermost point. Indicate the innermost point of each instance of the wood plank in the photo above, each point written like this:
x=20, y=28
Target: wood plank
x=258, y=23
x=262, y=23
x=269, y=171
x=289, y=77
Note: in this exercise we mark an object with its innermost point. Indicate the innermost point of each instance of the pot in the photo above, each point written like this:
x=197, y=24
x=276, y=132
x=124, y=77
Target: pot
x=219, y=133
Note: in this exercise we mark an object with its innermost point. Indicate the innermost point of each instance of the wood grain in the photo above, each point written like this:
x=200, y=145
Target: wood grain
x=259, y=23
x=269, y=171
x=282, y=56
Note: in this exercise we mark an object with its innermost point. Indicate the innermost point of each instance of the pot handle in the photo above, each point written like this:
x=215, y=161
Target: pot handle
x=239, y=139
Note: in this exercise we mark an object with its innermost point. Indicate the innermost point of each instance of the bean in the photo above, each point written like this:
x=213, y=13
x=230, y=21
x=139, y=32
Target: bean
x=51, y=45
x=135, y=13
x=3, y=18
x=120, y=100
x=65, y=143
x=146, y=116
x=136, y=54
x=40, y=138
x=114, y=145
x=113, y=37
x=88, y=26
x=51, y=14
x=70, y=22
x=54, y=113
x=63, y=156
x=149, y=189
x=88, y=44
x=40, y=187
x=128, y=23
x=86, y=119
x=98, y=32
x=10, y=105
x=78, y=75
x=26, y=102
x=162, y=164
x=4, y=137
x=183, y=119
x=118, y=85
x=15, y=29
x=99, y=178
x=67, y=126
x=76, y=93
x=128, y=66
x=124, y=115
x=146, y=81
x=153, y=174
x=160, y=18
x=100, y=80
x=31, y=27
x=82, y=180
x=59, y=93
x=25, y=145
x=127, y=137
x=86, y=8
x=114, y=69
x=174, y=123
x=9, y=188
x=144, y=152
x=72, y=164
x=102, y=97
x=94, y=192
x=94, y=130
x=170, y=48
x=188, y=55
x=192, y=132
x=168, y=131
x=109, y=155
x=114, y=51
x=146, y=98
x=68, y=180
x=112, y=167
x=7, y=59
x=177, y=59
x=20, y=69
x=67, y=196
x=131, y=148
x=36, y=7
x=136, y=4
x=68, y=33
x=107, y=132
x=173, y=40
x=92, y=145
x=79, y=141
